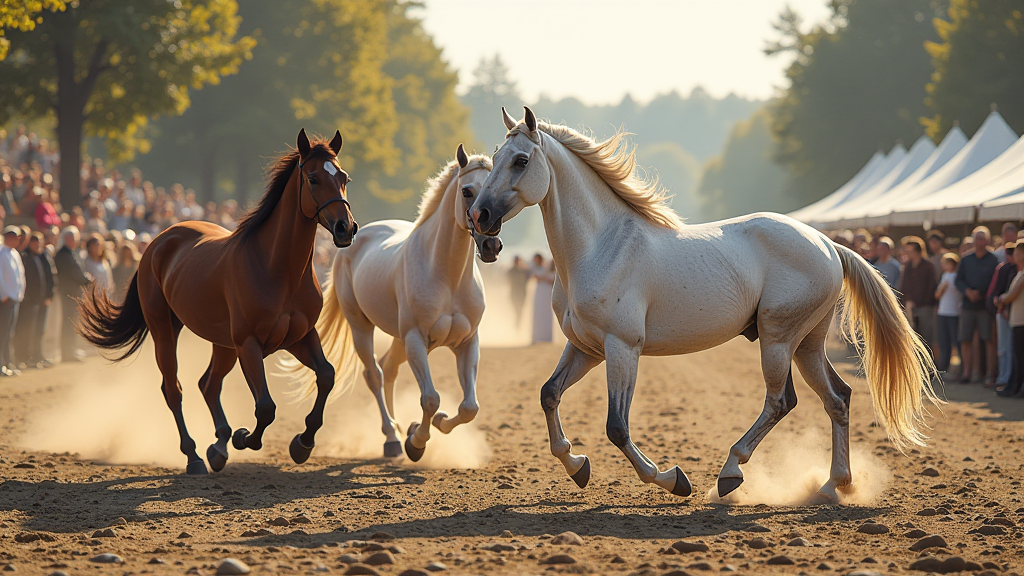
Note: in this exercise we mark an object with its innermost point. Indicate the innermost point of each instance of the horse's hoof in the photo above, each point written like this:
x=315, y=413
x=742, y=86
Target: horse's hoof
x=727, y=485
x=299, y=451
x=411, y=451
x=238, y=438
x=439, y=417
x=217, y=457
x=683, y=486
x=392, y=449
x=197, y=468
x=582, y=476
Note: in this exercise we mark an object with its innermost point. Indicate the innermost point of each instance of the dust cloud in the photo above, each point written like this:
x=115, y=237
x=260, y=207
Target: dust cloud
x=789, y=467
x=116, y=414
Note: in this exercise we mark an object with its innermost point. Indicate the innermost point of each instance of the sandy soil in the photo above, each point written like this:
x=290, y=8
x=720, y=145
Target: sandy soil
x=74, y=441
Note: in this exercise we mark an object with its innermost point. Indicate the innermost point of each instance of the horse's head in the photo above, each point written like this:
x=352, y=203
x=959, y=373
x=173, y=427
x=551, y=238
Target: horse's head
x=469, y=182
x=323, y=194
x=520, y=177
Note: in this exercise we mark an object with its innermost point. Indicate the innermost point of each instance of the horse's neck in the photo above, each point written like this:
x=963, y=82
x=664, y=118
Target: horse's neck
x=287, y=237
x=578, y=207
x=450, y=247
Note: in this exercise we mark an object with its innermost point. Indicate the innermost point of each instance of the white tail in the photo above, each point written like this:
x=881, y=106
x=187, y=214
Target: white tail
x=898, y=365
x=336, y=340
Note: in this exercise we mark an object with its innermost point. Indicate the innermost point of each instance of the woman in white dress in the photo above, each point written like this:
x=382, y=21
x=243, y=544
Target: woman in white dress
x=542, y=315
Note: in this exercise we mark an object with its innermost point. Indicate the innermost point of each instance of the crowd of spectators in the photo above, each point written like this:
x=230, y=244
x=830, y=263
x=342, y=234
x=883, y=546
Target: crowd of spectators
x=961, y=296
x=50, y=250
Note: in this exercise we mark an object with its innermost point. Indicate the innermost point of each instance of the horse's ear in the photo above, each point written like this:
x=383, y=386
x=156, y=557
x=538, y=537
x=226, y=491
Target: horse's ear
x=510, y=122
x=460, y=154
x=530, y=119
x=336, y=142
x=302, y=143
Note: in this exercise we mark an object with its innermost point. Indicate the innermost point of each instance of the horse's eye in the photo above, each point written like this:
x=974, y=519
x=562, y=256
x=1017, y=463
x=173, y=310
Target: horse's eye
x=312, y=180
x=467, y=192
x=522, y=161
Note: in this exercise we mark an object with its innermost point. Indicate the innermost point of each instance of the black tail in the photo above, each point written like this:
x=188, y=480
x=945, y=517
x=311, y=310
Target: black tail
x=111, y=326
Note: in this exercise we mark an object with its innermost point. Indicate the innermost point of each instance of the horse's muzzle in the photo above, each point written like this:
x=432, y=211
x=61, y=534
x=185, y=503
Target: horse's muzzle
x=485, y=220
x=488, y=247
x=343, y=235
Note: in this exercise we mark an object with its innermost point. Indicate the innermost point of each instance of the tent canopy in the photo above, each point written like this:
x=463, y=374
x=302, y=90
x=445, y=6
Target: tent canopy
x=807, y=213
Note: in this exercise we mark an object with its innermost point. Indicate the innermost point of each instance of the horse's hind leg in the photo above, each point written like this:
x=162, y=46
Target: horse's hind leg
x=780, y=399
x=362, y=340
x=310, y=352
x=622, y=362
x=835, y=396
x=210, y=385
x=389, y=365
x=165, y=329
x=467, y=357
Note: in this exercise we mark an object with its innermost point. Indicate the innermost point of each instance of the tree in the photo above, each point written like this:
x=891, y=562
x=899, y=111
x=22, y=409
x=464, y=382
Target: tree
x=857, y=84
x=106, y=67
x=493, y=87
x=979, y=60
x=22, y=15
x=744, y=178
x=365, y=67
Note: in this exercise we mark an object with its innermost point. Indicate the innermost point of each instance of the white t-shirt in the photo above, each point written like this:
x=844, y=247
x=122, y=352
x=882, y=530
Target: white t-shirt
x=949, y=304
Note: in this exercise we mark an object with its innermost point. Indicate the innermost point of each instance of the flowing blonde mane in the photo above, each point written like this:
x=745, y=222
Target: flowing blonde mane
x=615, y=161
x=440, y=182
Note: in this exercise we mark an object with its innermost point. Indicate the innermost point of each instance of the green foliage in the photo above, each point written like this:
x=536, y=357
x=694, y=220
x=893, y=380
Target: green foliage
x=857, y=84
x=364, y=67
x=979, y=60
x=744, y=178
x=23, y=15
x=106, y=67
x=677, y=171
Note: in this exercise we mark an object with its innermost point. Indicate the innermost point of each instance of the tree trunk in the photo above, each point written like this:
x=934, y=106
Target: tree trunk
x=70, y=113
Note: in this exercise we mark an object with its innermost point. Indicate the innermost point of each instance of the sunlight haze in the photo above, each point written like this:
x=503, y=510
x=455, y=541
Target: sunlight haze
x=599, y=50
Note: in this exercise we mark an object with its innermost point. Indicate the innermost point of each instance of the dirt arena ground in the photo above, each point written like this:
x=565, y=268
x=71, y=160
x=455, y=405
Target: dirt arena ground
x=74, y=485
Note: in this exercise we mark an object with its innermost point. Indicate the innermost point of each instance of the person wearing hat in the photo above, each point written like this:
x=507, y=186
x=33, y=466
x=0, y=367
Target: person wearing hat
x=12, y=291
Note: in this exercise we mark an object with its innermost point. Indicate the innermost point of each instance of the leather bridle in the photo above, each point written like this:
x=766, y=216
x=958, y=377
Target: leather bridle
x=320, y=207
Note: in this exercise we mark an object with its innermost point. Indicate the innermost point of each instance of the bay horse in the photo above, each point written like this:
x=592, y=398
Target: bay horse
x=419, y=283
x=249, y=292
x=633, y=280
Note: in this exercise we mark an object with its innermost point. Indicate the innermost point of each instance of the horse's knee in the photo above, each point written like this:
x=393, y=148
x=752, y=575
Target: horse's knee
x=325, y=377
x=617, y=433
x=788, y=395
x=550, y=395
x=266, y=411
x=430, y=402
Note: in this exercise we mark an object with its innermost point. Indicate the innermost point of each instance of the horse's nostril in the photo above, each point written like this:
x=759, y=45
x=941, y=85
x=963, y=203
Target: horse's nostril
x=355, y=228
x=485, y=216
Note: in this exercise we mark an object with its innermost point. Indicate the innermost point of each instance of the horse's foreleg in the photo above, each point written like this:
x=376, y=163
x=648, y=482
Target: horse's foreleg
x=467, y=357
x=362, y=340
x=622, y=362
x=780, y=399
x=430, y=401
x=250, y=356
x=573, y=366
x=311, y=354
x=210, y=385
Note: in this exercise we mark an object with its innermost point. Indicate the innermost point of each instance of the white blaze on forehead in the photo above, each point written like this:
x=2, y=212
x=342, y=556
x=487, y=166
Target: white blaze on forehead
x=331, y=168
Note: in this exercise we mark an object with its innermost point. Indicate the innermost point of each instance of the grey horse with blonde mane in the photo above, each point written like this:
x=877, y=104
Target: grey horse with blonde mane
x=633, y=280
x=419, y=283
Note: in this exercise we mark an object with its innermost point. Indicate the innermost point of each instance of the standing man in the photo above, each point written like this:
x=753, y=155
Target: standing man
x=71, y=278
x=39, y=290
x=937, y=249
x=1001, y=280
x=972, y=280
x=1009, y=234
x=885, y=263
x=12, y=291
x=917, y=285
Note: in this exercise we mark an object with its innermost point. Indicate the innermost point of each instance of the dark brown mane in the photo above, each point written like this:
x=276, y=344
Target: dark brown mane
x=278, y=172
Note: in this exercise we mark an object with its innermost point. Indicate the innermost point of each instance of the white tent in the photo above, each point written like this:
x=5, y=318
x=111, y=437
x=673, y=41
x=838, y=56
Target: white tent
x=1009, y=206
x=847, y=213
x=877, y=212
x=957, y=203
x=808, y=212
x=917, y=204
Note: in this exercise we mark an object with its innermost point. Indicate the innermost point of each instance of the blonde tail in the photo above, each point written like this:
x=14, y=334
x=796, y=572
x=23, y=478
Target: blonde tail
x=336, y=339
x=898, y=365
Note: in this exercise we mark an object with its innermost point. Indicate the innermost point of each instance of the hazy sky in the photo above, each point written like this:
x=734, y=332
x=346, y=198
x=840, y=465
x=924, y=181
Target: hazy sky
x=598, y=50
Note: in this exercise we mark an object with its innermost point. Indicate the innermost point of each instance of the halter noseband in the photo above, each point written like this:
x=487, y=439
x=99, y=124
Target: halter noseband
x=320, y=207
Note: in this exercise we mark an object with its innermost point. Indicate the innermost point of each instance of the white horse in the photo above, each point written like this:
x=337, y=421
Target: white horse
x=634, y=280
x=418, y=282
